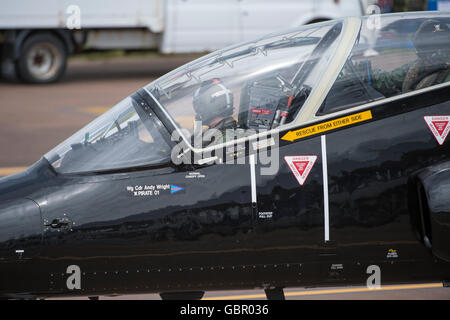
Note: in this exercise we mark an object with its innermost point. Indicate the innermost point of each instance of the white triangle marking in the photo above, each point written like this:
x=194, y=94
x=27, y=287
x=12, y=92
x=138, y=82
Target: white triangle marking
x=300, y=166
x=435, y=122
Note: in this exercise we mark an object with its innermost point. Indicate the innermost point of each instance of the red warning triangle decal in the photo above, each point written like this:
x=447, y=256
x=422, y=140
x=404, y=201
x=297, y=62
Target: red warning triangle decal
x=439, y=126
x=300, y=166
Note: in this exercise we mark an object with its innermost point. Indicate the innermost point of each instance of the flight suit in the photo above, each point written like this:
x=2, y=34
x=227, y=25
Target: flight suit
x=408, y=78
x=228, y=129
x=226, y=123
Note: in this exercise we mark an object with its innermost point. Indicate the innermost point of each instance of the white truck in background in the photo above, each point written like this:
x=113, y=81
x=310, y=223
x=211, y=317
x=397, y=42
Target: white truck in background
x=36, y=37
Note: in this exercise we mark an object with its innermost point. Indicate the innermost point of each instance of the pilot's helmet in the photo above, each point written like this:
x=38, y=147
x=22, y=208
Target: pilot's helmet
x=213, y=100
x=432, y=41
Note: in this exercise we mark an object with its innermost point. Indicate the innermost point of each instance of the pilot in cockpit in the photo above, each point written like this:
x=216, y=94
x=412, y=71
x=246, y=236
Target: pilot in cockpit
x=213, y=105
x=431, y=67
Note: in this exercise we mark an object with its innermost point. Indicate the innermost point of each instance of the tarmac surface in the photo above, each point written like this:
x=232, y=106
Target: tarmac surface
x=428, y=291
x=35, y=118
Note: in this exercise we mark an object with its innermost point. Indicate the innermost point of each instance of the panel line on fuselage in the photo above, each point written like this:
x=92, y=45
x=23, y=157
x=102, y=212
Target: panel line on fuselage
x=323, y=142
x=253, y=177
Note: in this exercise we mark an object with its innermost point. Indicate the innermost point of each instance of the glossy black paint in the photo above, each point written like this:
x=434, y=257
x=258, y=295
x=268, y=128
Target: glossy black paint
x=436, y=206
x=209, y=235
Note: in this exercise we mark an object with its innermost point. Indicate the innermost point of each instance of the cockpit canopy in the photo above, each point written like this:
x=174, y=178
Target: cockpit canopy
x=280, y=81
x=264, y=82
x=123, y=137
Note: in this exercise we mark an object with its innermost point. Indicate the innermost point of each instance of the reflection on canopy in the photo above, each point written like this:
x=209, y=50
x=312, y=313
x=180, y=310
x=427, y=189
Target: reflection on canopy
x=268, y=80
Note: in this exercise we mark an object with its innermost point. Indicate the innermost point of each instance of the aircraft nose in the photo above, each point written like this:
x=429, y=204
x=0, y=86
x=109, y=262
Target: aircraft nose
x=20, y=229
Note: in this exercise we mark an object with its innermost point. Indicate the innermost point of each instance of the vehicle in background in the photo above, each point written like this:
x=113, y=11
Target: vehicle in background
x=37, y=37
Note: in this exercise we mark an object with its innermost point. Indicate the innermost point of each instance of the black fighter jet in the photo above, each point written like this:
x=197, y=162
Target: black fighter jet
x=305, y=158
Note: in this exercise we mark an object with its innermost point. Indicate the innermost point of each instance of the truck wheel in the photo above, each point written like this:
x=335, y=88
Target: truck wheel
x=43, y=59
